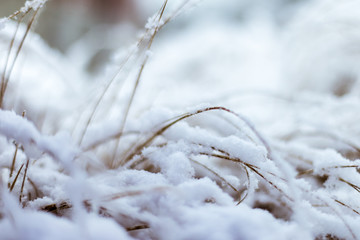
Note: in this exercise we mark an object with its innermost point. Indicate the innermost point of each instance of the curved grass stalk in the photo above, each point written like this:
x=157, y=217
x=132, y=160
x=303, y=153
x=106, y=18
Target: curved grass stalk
x=137, y=149
x=216, y=174
x=247, y=187
x=253, y=168
x=357, y=188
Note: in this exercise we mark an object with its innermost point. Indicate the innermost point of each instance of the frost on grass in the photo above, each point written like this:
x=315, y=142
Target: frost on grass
x=33, y=4
x=89, y=163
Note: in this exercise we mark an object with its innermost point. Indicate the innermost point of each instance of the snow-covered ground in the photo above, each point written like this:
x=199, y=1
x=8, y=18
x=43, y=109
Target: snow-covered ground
x=231, y=119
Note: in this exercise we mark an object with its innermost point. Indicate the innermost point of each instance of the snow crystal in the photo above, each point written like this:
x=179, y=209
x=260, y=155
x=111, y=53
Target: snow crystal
x=153, y=24
x=33, y=4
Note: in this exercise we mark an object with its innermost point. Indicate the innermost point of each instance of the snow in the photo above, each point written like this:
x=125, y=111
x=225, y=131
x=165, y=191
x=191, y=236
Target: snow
x=2, y=23
x=244, y=125
x=24, y=132
x=33, y=5
x=242, y=221
x=37, y=225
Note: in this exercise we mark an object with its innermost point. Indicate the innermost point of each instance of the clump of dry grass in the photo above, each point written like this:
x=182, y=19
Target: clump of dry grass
x=280, y=190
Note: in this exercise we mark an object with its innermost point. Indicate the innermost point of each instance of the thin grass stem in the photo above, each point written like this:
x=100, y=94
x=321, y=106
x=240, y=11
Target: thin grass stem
x=16, y=177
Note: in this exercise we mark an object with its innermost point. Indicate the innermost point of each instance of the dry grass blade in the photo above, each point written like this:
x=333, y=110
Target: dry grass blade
x=126, y=113
x=20, y=46
x=347, y=206
x=129, y=229
x=101, y=97
x=216, y=174
x=16, y=177
x=123, y=63
x=270, y=182
x=357, y=188
x=14, y=160
x=35, y=188
x=23, y=181
x=306, y=172
x=253, y=168
x=56, y=208
x=7, y=72
x=225, y=181
x=247, y=187
x=239, y=160
x=15, y=14
x=3, y=76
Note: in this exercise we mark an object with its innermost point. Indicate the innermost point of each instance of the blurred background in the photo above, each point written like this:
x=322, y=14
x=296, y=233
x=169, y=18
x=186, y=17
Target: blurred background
x=64, y=21
x=300, y=44
x=234, y=53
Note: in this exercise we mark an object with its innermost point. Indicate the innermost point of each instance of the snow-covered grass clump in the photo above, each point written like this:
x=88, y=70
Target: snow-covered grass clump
x=196, y=131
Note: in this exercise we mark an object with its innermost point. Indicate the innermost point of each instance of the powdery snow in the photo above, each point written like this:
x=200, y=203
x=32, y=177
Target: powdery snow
x=243, y=125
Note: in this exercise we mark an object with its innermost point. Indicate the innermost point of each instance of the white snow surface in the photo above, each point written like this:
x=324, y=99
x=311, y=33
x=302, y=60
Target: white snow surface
x=244, y=125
